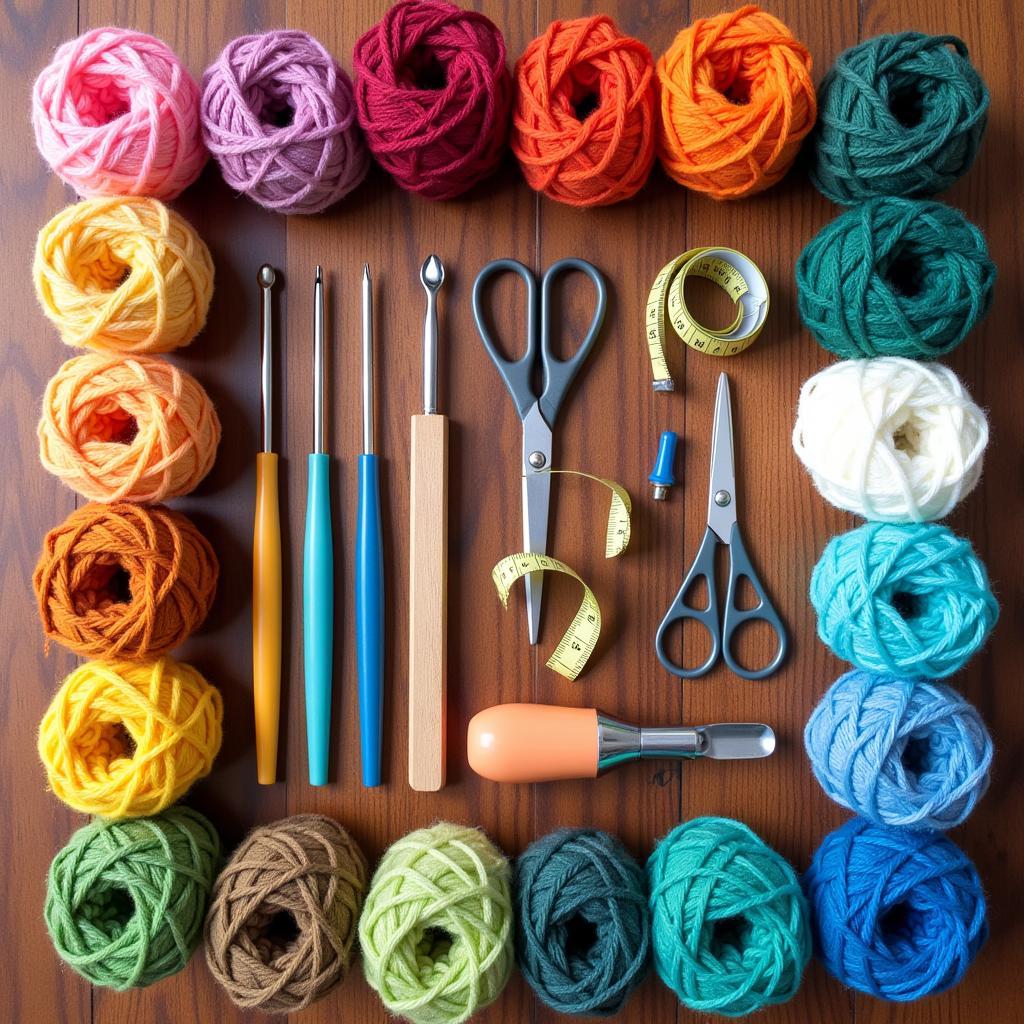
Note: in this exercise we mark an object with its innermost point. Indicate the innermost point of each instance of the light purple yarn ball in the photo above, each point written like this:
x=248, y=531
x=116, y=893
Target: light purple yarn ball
x=279, y=118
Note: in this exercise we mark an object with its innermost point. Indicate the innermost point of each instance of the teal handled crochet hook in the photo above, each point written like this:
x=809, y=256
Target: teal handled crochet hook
x=318, y=568
x=369, y=570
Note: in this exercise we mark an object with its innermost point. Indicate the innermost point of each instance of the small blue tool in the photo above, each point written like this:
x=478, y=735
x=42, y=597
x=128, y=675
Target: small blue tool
x=722, y=528
x=663, y=476
x=369, y=570
x=318, y=569
x=538, y=411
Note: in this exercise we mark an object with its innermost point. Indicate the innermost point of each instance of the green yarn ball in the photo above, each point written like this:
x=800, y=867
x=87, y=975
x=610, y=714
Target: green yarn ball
x=437, y=930
x=898, y=115
x=895, y=277
x=125, y=900
x=730, y=926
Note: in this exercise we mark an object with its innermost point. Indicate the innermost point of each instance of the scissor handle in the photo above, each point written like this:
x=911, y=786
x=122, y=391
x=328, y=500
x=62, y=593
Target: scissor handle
x=678, y=610
x=559, y=373
x=764, y=611
x=516, y=373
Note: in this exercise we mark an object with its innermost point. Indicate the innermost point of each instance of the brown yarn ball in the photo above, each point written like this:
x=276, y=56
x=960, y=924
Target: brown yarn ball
x=121, y=581
x=282, y=921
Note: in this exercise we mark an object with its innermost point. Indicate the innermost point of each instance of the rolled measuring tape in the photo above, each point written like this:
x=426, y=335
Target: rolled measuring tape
x=737, y=275
x=579, y=640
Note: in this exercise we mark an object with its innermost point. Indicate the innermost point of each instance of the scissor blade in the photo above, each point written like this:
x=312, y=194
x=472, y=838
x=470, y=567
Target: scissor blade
x=722, y=487
x=536, y=504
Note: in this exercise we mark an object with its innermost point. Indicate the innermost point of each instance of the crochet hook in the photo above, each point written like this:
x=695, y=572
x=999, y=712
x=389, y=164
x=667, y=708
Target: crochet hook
x=266, y=559
x=318, y=568
x=543, y=743
x=428, y=562
x=369, y=569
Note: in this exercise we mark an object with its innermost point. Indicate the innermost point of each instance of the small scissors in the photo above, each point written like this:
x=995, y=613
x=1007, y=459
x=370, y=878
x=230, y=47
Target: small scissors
x=538, y=411
x=722, y=528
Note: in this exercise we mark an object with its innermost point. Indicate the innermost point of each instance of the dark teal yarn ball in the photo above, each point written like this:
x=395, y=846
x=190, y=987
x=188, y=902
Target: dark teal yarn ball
x=582, y=923
x=898, y=115
x=895, y=277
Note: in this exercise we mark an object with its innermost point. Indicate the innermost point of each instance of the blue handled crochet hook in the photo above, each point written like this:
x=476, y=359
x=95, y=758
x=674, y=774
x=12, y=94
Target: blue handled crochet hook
x=369, y=570
x=318, y=568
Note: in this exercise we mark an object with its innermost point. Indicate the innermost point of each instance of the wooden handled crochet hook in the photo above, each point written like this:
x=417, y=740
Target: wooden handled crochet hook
x=266, y=561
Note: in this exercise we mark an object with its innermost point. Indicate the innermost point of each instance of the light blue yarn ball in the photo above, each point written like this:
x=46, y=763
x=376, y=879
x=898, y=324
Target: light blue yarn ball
x=910, y=600
x=903, y=752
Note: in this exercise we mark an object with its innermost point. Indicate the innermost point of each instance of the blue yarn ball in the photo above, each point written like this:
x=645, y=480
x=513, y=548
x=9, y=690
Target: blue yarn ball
x=896, y=914
x=909, y=600
x=582, y=923
x=902, y=752
x=898, y=115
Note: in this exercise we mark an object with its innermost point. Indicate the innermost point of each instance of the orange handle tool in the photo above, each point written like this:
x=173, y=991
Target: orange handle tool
x=266, y=616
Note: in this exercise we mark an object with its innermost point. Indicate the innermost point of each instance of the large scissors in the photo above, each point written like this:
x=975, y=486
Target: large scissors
x=722, y=528
x=538, y=410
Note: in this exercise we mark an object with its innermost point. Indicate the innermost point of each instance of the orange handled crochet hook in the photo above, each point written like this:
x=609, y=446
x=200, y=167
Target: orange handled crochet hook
x=266, y=562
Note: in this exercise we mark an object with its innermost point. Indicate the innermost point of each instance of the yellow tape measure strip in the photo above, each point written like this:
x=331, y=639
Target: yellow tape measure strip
x=736, y=274
x=580, y=639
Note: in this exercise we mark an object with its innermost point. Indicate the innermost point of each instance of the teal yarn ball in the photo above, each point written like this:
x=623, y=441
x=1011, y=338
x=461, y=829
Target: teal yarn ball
x=911, y=600
x=898, y=115
x=125, y=900
x=436, y=930
x=582, y=921
x=902, y=752
x=730, y=927
x=895, y=277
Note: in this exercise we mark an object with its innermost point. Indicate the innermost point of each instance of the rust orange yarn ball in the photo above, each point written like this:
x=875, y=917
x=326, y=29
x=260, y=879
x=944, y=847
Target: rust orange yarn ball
x=583, y=123
x=132, y=428
x=736, y=102
x=124, y=582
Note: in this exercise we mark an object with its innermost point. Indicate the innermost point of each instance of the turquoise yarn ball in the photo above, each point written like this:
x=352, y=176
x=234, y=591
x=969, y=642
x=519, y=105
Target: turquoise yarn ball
x=729, y=923
x=582, y=922
x=911, y=600
x=895, y=277
x=898, y=115
x=901, y=752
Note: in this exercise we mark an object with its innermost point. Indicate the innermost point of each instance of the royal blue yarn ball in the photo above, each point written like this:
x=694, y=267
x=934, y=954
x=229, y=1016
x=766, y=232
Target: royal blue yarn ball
x=901, y=752
x=897, y=914
x=906, y=599
x=582, y=923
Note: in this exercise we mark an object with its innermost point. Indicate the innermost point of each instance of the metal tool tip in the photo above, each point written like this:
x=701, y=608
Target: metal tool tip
x=432, y=273
x=319, y=274
x=366, y=271
x=266, y=276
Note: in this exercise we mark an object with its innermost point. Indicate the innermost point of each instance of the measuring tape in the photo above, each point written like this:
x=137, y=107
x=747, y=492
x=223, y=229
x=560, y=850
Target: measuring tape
x=736, y=274
x=580, y=639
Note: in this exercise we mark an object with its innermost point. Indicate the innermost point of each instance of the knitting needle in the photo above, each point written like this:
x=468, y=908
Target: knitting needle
x=428, y=562
x=369, y=570
x=318, y=568
x=266, y=561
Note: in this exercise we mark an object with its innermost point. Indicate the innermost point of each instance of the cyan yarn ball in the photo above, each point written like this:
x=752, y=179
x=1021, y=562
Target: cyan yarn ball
x=901, y=752
x=895, y=277
x=897, y=914
x=898, y=115
x=729, y=923
x=582, y=922
x=906, y=599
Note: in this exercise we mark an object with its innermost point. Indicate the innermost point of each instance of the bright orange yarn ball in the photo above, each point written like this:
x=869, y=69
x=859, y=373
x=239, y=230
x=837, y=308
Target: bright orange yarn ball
x=133, y=429
x=583, y=123
x=736, y=102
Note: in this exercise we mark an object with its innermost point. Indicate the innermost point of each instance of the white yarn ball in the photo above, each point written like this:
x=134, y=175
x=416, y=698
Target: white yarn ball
x=890, y=439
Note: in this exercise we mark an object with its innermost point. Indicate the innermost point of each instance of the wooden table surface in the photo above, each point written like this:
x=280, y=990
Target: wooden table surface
x=609, y=427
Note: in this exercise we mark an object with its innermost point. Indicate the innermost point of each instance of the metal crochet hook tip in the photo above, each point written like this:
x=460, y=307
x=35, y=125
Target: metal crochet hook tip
x=431, y=277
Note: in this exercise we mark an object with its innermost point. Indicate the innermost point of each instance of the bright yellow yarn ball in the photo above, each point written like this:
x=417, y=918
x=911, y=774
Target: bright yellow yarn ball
x=127, y=739
x=123, y=274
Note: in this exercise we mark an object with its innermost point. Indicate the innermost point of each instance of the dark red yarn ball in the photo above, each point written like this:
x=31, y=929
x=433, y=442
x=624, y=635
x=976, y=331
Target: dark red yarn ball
x=433, y=96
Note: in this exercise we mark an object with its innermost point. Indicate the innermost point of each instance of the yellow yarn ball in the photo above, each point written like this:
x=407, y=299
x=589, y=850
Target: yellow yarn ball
x=123, y=274
x=125, y=740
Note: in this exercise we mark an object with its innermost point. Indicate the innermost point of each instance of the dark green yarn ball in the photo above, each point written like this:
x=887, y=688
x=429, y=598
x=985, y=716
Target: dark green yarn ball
x=898, y=115
x=895, y=277
x=125, y=900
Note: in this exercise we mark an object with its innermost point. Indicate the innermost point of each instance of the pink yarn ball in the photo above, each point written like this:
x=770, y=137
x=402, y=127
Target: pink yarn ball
x=278, y=117
x=116, y=113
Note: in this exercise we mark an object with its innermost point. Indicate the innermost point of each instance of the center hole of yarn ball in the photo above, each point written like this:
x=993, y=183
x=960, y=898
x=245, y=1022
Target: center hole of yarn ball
x=903, y=274
x=906, y=103
x=729, y=933
x=708, y=304
x=106, y=582
x=906, y=438
x=907, y=606
x=100, y=99
x=899, y=924
x=109, y=910
x=917, y=756
x=580, y=936
x=281, y=931
x=423, y=70
x=584, y=102
x=435, y=944
x=116, y=742
x=278, y=113
x=732, y=85
x=111, y=424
